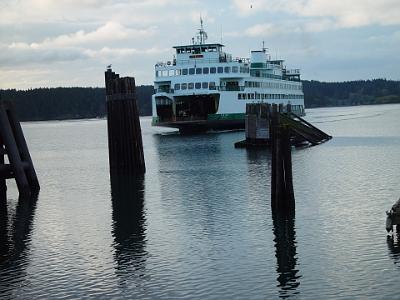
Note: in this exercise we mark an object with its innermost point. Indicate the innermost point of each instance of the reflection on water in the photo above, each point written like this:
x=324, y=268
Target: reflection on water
x=204, y=229
x=128, y=226
x=286, y=254
x=393, y=242
x=15, y=241
x=3, y=230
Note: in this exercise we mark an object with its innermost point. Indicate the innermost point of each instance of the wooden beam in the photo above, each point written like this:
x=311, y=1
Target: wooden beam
x=13, y=153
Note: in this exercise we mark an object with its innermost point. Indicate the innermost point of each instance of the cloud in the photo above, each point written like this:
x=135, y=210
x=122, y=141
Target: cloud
x=110, y=31
x=23, y=54
x=107, y=54
x=343, y=13
x=76, y=46
x=265, y=30
x=89, y=11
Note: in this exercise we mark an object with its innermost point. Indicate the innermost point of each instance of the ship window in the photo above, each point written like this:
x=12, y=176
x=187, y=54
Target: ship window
x=184, y=86
x=252, y=96
x=205, y=70
x=257, y=96
x=178, y=72
x=177, y=86
x=227, y=69
x=198, y=85
x=198, y=70
x=204, y=85
x=191, y=71
x=184, y=71
x=220, y=70
x=171, y=72
x=240, y=96
x=190, y=86
x=157, y=73
x=211, y=85
x=235, y=69
x=164, y=73
x=213, y=70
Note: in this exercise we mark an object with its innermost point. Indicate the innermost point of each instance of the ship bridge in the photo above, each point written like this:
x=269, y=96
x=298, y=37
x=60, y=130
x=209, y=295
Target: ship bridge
x=207, y=53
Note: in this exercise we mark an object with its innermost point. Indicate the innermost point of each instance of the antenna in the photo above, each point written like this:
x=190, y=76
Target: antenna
x=202, y=35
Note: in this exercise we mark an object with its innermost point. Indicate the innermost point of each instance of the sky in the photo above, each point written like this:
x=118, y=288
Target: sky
x=51, y=43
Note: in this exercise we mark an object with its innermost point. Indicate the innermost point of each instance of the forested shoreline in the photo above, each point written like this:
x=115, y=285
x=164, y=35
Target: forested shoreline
x=77, y=102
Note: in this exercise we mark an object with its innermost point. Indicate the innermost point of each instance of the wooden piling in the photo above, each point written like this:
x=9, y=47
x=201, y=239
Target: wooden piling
x=282, y=194
x=13, y=144
x=3, y=185
x=124, y=133
x=287, y=167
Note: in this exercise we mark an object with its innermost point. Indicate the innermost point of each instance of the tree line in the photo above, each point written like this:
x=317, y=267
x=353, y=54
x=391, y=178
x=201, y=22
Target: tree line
x=76, y=102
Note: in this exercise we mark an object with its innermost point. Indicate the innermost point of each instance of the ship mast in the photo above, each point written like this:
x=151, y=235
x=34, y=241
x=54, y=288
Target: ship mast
x=201, y=35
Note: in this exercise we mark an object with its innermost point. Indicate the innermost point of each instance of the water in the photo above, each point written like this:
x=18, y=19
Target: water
x=199, y=226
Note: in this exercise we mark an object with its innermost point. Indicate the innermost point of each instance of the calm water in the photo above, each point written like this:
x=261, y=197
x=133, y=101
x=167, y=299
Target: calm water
x=199, y=226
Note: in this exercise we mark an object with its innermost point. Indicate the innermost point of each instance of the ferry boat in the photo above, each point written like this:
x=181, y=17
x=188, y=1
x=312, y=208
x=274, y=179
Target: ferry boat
x=204, y=88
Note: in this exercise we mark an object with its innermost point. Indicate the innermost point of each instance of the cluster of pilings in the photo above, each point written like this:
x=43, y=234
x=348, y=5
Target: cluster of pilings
x=124, y=133
x=13, y=145
x=277, y=127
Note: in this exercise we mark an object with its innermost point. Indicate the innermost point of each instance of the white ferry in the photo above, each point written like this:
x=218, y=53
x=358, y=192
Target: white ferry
x=205, y=88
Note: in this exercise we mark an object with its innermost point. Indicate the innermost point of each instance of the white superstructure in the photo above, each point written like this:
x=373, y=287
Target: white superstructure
x=204, y=87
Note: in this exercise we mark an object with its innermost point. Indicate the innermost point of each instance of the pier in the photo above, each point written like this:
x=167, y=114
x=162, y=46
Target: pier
x=259, y=118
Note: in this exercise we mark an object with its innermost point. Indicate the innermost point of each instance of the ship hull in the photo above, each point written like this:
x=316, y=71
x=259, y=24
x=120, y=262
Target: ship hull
x=199, y=126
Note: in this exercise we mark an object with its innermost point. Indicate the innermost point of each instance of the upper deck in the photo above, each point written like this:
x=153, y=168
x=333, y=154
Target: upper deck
x=201, y=58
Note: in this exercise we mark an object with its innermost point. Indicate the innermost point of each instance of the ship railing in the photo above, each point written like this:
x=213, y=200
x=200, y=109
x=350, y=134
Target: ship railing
x=208, y=60
x=231, y=88
x=193, y=61
x=293, y=72
x=244, y=60
x=165, y=90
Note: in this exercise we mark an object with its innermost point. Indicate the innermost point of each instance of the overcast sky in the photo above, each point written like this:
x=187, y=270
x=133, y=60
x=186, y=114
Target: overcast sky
x=48, y=43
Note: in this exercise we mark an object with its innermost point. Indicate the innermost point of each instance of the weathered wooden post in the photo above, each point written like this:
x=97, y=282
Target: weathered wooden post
x=124, y=133
x=12, y=143
x=282, y=195
x=3, y=185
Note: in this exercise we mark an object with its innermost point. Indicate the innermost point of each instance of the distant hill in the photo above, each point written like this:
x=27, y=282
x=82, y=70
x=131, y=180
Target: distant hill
x=77, y=103
x=361, y=92
x=68, y=103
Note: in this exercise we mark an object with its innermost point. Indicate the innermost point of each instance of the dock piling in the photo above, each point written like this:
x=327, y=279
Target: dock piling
x=124, y=133
x=282, y=194
x=13, y=144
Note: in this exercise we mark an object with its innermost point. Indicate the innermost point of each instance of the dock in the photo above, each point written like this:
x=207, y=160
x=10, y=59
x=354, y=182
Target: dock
x=258, y=121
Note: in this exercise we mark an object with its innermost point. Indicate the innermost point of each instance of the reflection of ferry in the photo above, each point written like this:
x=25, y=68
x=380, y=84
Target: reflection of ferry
x=205, y=88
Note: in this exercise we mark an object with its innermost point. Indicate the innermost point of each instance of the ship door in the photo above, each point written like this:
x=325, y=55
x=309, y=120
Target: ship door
x=164, y=109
